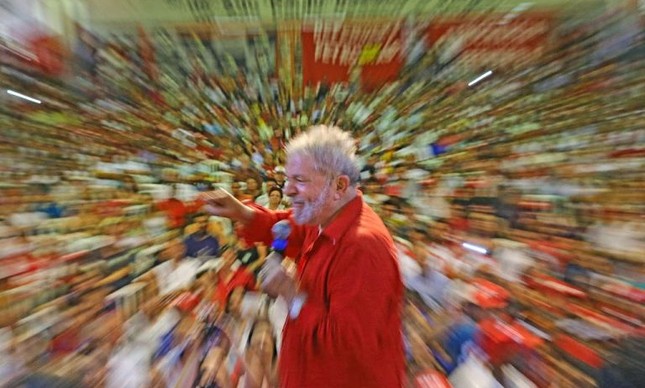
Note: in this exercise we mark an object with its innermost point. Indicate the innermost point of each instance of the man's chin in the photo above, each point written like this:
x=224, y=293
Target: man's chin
x=301, y=220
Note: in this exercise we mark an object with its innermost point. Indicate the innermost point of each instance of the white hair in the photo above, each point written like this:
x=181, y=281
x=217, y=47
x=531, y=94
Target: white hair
x=333, y=151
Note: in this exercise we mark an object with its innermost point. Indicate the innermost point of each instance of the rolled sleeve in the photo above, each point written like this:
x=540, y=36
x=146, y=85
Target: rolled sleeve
x=258, y=230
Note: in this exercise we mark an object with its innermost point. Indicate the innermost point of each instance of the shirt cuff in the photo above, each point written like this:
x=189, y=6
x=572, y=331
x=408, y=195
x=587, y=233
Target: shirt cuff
x=296, y=306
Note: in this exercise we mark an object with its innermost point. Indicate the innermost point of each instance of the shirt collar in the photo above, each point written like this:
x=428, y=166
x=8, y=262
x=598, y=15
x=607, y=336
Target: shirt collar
x=345, y=218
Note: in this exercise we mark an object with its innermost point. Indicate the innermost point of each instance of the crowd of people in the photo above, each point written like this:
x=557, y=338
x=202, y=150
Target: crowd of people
x=516, y=207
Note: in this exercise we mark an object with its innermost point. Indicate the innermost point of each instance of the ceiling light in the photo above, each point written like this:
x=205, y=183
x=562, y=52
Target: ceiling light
x=23, y=96
x=474, y=248
x=481, y=77
x=515, y=12
x=522, y=7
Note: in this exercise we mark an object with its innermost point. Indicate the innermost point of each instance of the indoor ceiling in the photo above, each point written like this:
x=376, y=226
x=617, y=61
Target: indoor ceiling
x=123, y=13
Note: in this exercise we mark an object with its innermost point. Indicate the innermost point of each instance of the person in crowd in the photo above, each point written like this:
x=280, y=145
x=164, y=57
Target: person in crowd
x=260, y=357
x=263, y=200
x=253, y=188
x=275, y=199
x=392, y=214
x=278, y=140
x=173, y=274
x=129, y=185
x=179, y=366
x=458, y=218
x=429, y=282
x=236, y=190
x=48, y=204
x=345, y=313
x=268, y=163
x=279, y=176
x=369, y=169
x=175, y=209
x=372, y=194
x=249, y=256
x=246, y=170
x=214, y=369
x=259, y=150
x=507, y=206
x=232, y=275
x=201, y=243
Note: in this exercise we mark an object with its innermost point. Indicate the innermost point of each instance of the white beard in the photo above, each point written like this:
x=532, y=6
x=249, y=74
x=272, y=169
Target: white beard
x=310, y=211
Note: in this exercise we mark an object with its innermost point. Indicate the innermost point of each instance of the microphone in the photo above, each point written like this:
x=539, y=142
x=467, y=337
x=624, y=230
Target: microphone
x=272, y=265
x=272, y=269
x=281, y=231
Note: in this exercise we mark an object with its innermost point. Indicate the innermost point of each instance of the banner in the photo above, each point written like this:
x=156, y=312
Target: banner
x=147, y=54
x=50, y=53
x=334, y=50
x=490, y=40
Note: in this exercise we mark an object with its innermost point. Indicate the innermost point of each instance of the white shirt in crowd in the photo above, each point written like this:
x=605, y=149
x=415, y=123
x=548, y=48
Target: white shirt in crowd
x=171, y=278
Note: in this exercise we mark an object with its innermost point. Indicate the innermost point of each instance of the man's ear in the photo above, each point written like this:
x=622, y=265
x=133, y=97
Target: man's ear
x=342, y=184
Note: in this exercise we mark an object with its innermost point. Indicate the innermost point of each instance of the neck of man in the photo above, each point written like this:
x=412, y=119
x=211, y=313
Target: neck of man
x=347, y=198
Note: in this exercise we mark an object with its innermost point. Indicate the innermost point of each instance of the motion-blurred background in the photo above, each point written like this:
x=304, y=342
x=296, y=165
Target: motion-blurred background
x=502, y=143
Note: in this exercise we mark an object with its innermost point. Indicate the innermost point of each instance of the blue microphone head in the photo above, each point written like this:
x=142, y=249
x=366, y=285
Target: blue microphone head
x=281, y=231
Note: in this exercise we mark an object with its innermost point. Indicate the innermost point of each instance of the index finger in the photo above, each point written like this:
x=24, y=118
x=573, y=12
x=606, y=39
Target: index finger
x=213, y=195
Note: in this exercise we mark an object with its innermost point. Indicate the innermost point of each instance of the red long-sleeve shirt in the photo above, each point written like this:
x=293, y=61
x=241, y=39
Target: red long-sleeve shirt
x=348, y=333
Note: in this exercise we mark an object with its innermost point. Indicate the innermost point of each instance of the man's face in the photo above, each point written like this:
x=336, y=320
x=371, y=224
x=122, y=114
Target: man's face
x=310, y=191
x=280, y=177
x=251, y=184
x=244, y=160
x=202, y=223
x=275, y=198
x=235, y=188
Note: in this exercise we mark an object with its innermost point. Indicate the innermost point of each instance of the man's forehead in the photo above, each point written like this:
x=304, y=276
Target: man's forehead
x=297, y=163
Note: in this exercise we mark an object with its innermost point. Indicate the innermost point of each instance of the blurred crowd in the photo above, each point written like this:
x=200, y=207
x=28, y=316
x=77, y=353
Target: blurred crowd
x=516, y=206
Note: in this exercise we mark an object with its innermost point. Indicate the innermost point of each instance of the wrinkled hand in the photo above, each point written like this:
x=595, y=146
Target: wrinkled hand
x=220, y=203
x=274, y=281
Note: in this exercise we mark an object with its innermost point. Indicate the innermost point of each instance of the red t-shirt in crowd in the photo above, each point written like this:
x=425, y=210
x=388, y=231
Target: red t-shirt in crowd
x=241, y=278
x=175, y=210
x=348, y=333
x=277, y=143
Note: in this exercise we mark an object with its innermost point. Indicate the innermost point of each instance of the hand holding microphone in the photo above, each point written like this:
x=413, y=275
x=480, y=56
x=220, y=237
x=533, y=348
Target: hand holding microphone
x=273, y=278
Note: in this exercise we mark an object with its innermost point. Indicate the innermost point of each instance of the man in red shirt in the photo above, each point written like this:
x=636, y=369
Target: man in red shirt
x=344, y=325
x=174, y=208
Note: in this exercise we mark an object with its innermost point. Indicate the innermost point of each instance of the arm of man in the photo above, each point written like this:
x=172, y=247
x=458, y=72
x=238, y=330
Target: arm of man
x=258, y=229
x=256, y=220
